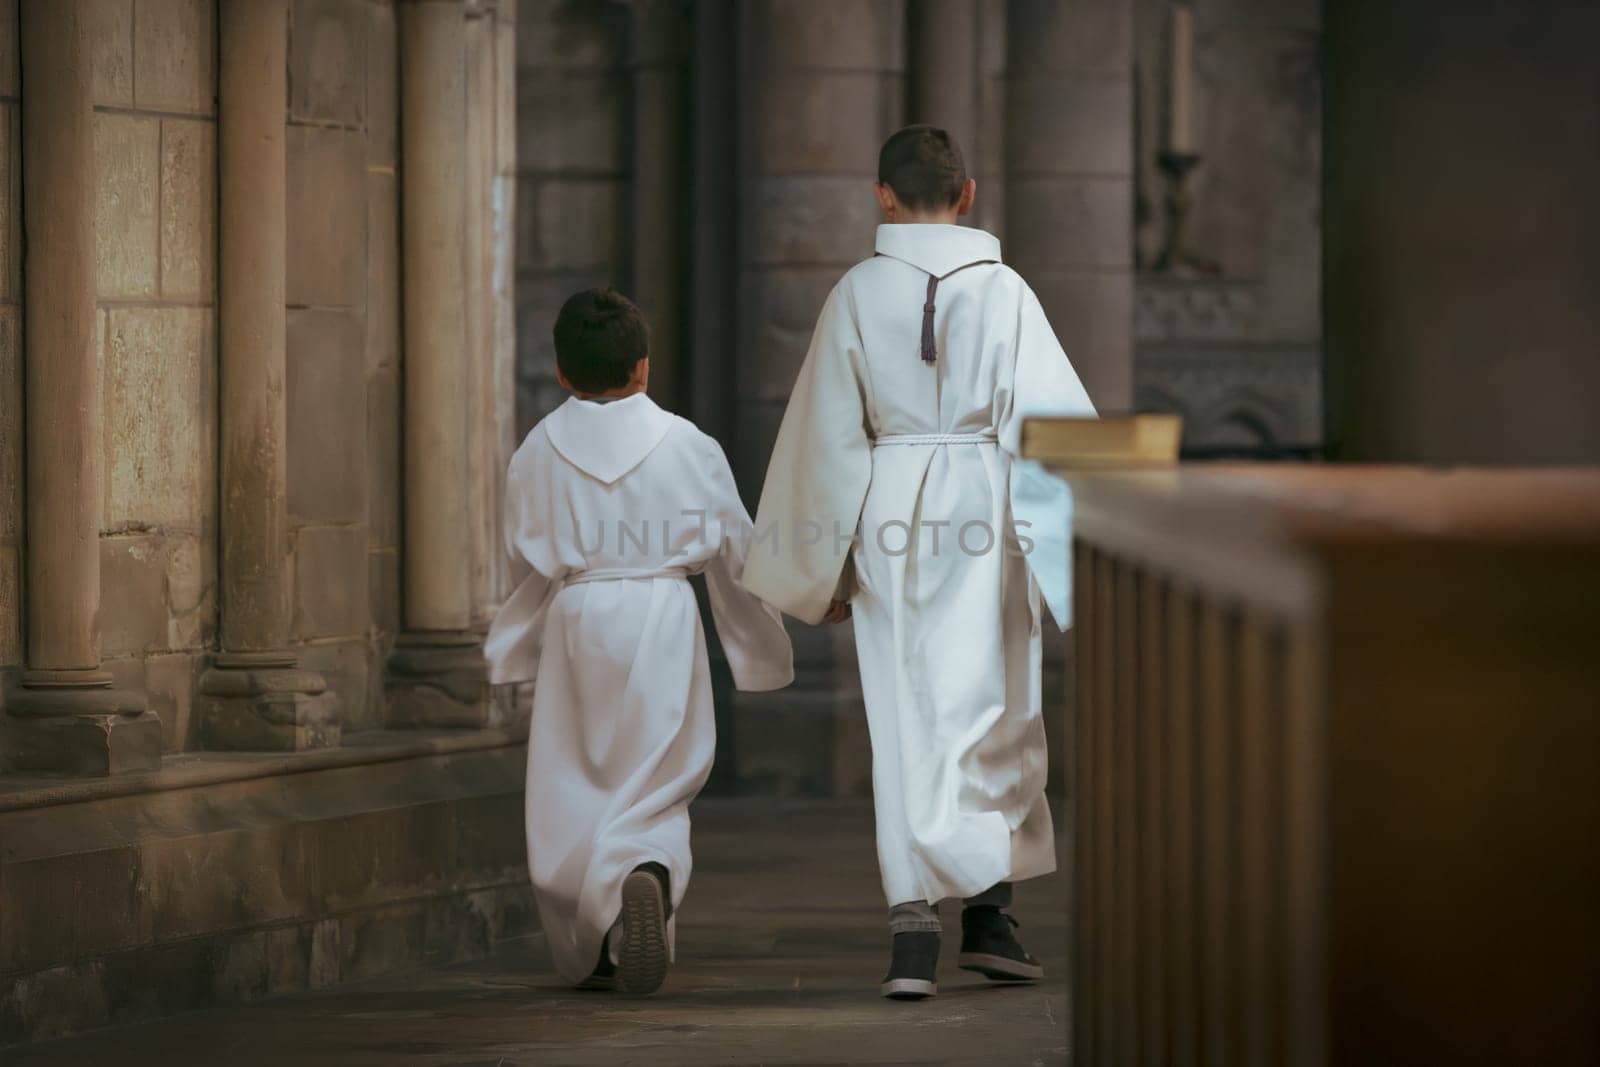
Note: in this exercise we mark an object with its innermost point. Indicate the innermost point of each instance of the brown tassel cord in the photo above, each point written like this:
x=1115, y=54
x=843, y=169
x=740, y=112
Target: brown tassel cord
x=930, y=353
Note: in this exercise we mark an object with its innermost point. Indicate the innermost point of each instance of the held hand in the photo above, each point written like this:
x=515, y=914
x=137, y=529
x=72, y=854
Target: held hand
x=838, y=611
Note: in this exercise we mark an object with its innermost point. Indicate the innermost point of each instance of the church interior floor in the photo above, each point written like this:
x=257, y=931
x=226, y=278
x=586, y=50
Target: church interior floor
x=781, y=945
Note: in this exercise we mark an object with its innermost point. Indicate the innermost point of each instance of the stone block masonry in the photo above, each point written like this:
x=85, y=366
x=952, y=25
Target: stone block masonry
x=288, y=394
x=403, y=852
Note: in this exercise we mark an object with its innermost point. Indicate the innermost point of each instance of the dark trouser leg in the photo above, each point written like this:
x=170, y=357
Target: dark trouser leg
x=996, y=896
x=914, y=916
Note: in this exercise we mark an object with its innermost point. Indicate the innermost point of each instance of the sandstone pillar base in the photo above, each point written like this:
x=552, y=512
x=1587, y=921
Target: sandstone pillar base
x=439, y=679
x=260, y=701
x=74, y=723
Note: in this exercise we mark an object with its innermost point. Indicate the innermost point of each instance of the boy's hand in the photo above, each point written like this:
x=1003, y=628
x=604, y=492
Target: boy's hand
x=838, y=611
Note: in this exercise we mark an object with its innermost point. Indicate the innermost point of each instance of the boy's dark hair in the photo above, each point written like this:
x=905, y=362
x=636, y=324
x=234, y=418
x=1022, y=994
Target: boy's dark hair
x=923, y=165
x=600, y=337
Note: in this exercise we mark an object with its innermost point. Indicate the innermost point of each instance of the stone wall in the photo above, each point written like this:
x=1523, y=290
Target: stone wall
x=235, y=349
x=155, y=144
x=1463, y=231
x=155, y=132
x=232, y=883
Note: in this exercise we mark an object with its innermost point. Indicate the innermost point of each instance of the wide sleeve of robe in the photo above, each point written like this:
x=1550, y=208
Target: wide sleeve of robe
x=818, y=476
x=1043, y=383
x=513, y=644
x=753, y=638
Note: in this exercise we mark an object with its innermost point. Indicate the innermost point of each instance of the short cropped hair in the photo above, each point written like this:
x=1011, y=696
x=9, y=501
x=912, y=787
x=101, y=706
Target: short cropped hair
x=600, y=337
x=923, y=165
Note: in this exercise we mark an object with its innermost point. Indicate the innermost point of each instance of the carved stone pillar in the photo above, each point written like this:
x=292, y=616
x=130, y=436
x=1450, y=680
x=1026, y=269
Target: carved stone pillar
x=436, y=675
x=253, y=696
x=955, y=67
x=1069, y=179
x=712, y=241
x=942, y=50
x=819, y=89
x=65, y=717
x=660, y=102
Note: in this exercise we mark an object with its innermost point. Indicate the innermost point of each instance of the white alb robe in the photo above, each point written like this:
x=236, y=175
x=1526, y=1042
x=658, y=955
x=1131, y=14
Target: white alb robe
x=948, y=632
x=608, y=507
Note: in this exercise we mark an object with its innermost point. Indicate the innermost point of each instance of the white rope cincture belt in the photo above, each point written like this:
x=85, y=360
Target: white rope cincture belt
x=622, y=574
x=935, y=439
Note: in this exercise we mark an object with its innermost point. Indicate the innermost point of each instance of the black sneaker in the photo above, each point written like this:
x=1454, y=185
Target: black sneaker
x=642, y=965
x=605, y=972
x=913, y=966
x=990, y=948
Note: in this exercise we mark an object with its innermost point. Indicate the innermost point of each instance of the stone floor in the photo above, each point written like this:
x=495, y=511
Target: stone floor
x=780, y=948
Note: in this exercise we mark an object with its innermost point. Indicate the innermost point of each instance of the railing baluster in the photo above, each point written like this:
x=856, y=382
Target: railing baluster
x=1152, y=776
x=1218, y=819
x=1126, y=783
x=1086, y=660
x=1182, y=811
x=1305, y=849
x=1105, y=977
x=1260, y=802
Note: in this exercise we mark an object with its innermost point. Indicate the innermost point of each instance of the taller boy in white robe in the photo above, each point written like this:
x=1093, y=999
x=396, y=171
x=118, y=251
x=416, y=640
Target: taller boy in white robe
x=918, y=459
x=610, y=506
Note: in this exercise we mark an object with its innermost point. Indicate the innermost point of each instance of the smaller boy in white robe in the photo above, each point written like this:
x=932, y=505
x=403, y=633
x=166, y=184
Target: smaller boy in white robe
x=611, y=503
x=900, y=447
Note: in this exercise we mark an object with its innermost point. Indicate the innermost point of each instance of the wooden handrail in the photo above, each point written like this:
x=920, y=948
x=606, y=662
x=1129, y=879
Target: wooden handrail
x=1333, y=749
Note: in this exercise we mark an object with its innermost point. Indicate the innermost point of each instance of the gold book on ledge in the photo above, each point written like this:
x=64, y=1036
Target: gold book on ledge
x=1114, y=441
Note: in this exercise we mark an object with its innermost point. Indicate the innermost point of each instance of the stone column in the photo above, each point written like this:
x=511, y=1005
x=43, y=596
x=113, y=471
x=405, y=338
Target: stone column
x=660, y=101
x=955, y=64
x=986, y=159
x=253, y=696
x=712, y=237
x=437, y=676
x=65, y=717
x=942, y=43
x=816, y=99
x=481, y=251
x=1069, y=179
x=819, y=88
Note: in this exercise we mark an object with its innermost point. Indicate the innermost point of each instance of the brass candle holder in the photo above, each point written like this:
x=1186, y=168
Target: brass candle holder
x=1176, y=253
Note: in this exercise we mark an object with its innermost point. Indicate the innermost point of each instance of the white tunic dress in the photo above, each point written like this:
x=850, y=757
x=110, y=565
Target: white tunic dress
x=947, y=621
x=610, y=506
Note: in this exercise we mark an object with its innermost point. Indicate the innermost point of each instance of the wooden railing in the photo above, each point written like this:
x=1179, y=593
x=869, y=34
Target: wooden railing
x=1335, y=761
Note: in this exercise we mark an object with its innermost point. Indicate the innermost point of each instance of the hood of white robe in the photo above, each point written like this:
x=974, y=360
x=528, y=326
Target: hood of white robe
x=607, y=440
x=934, y=246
